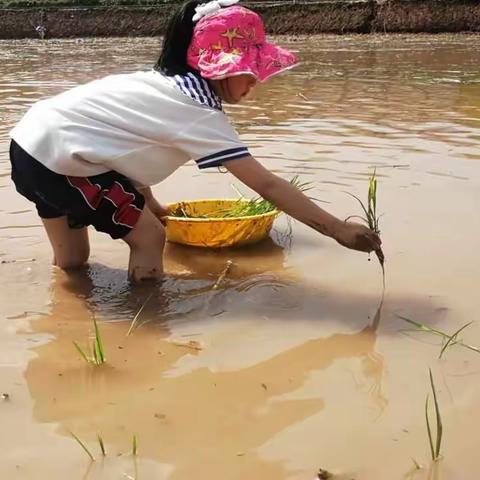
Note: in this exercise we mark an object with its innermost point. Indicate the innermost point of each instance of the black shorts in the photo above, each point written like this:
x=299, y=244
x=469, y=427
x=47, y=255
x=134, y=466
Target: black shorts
x=109, y=202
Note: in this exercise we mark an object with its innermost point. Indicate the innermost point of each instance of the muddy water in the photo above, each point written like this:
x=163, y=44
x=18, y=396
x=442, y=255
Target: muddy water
x=291, y=365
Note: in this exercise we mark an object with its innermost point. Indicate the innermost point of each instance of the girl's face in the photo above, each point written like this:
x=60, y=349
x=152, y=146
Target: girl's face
x=234, y=89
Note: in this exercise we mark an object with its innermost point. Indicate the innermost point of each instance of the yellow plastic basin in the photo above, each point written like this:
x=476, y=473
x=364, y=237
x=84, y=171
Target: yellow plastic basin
x=216, y=232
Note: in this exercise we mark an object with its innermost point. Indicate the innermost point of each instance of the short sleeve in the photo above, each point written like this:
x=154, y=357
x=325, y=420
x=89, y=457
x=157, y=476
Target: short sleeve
x=211, y=141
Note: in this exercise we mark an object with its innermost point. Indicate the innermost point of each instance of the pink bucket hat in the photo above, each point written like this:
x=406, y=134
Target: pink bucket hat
x=231, y=41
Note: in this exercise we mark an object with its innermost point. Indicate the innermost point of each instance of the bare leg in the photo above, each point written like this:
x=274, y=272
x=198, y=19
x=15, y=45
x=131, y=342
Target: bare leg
x=146, y=242
x=70, y=246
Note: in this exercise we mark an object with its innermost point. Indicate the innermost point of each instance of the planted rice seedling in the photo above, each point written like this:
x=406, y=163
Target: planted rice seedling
x=102, y=445
x=84, y=447
x=134, y=446
x=450, y=340
x=137, y=316
x=97, y=356
x=435, y=446
x=371, y=218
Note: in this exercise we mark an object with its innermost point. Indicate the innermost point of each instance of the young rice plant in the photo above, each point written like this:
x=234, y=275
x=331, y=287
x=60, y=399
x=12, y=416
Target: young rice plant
x=435, y=446
x=98, y=354
x=449, y=340
x=371, y=218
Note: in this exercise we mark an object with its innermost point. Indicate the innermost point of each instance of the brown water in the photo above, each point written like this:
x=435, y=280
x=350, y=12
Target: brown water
x=298, y=369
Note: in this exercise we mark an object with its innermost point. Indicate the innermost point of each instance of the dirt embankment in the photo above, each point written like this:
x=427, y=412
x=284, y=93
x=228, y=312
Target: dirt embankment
x=280, y=18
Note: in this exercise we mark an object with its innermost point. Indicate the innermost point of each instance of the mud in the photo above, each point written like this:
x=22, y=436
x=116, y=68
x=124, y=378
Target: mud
x=299, y=18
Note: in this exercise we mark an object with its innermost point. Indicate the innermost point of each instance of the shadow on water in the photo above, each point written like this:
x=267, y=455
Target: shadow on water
x=220, y=416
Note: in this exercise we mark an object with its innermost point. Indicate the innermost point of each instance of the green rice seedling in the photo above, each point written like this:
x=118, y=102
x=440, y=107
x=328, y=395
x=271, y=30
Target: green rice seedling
x=452, y=340
x=435, y=447
x=371, y=218
x=137, y=316
x=134, y=446
x=82, y=353
x=449, y=339
x=243, y=207
x=84, y=447
x=258, y=205
x=98, y=354
x=102, y=445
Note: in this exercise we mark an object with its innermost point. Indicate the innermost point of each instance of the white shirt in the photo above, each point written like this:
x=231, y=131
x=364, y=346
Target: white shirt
x=143, y=125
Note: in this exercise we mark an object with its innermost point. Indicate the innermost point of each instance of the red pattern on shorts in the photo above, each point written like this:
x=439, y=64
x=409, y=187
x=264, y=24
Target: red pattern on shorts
x=125, y=213
x=92, y=194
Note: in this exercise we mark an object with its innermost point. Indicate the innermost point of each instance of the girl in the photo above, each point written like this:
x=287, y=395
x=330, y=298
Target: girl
x=89, y=155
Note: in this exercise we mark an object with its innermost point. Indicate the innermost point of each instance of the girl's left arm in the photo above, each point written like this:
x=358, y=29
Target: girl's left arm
x=152, y=203
x=290, y=200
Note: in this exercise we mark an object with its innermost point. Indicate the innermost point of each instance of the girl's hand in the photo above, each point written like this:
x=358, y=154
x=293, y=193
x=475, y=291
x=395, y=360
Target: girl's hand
x=153, y=205
x=159, y=210
x=357, y=237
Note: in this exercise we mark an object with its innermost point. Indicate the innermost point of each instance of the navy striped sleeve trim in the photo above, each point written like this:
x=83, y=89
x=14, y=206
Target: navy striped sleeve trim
x=219, y=158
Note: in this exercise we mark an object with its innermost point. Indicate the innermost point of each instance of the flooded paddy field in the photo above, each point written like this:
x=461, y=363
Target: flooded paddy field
x=290, y=365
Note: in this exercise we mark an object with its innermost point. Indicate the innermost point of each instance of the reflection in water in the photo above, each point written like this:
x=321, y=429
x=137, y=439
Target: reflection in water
x=216, y=416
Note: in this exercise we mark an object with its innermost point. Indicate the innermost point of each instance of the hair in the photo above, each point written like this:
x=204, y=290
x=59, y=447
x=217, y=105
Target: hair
x=173, y=57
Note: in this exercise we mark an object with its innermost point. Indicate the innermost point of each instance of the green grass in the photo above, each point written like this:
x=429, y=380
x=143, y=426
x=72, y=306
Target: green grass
x=449, y=339
x=371, y=218
x=97, y=357
x=435, y=446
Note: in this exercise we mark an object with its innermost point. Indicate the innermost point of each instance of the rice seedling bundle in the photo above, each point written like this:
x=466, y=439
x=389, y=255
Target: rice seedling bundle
x=243, y=207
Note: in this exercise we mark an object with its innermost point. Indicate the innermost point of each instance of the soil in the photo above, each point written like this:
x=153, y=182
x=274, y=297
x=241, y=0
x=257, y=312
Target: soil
x=296, y=18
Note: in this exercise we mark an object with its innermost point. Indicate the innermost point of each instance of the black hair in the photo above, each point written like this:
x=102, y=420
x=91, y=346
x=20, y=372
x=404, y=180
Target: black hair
x=173, y=58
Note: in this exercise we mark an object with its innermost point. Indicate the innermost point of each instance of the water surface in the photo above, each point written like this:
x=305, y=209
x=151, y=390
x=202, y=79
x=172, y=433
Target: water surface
x=297, y=368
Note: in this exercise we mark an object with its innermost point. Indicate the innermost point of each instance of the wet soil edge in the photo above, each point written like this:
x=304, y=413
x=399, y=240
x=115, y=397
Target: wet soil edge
x=414, y=16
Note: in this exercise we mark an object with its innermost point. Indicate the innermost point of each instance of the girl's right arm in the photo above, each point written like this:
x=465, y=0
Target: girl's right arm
x=290, y=200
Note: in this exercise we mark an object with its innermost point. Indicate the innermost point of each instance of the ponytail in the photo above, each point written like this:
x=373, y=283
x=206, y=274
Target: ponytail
x=173, y=58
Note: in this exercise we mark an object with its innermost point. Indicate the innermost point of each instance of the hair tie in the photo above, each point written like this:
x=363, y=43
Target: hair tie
x=206, y=9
